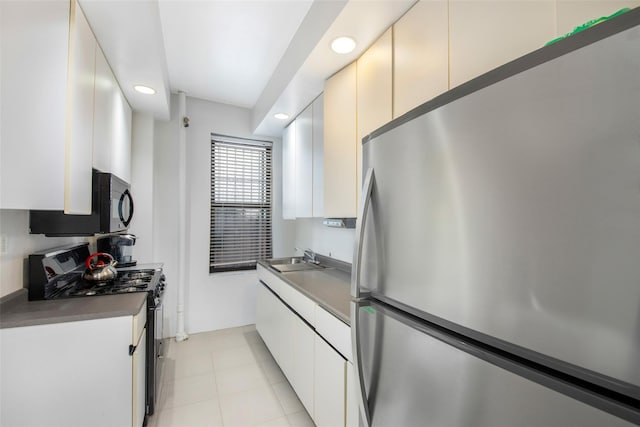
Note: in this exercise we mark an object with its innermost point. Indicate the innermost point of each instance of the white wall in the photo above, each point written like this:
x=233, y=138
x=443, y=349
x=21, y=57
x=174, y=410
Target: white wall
x=333, y=242
x=14, y=228
x=212, y=301
x=142, y=132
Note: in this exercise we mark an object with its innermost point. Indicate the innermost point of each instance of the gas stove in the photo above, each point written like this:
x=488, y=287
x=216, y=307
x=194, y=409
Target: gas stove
x=126, y=282
x=59, y=274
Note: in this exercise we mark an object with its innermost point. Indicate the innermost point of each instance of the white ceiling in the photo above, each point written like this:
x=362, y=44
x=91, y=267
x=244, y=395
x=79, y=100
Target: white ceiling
x=264, y=55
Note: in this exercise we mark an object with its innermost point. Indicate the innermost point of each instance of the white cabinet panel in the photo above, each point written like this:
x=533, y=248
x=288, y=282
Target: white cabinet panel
x=139, y=381
x=79, y=146
x=33, y=83
x=420, y=55
x=329, y=383
x=353, y=414
x=334, y=331
x=289, y=172
x=340, y=144
x=104, y=104
x=302, y=363
x=304, y=163
x=121, y=156
x=485, y=34
x=374, y=94
x=101, y=397
x=318, y=157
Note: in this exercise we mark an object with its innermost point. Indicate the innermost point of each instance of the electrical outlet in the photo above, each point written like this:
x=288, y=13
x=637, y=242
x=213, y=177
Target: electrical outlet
x=4, y=243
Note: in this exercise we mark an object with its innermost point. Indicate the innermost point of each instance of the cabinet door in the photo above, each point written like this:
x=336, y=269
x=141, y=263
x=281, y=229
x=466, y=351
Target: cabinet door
x=485, y=34
x=572, y=13
x=340, y=144
x=104, y=103
x=139, y=381
x=267, y=320
x=420, y=55
x=80, y=87
x=374, y=94
x=289, y=172
x=318, y=157
x=302, y=369
x=286, y=320
x=329, y=385
x=121, y=145
x=101, y=397
x=353, y=411
x=304, y=163
x=33, y=77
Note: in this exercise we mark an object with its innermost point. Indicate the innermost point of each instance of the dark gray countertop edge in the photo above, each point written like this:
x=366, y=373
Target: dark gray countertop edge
x=16, y=311
x=324, y=304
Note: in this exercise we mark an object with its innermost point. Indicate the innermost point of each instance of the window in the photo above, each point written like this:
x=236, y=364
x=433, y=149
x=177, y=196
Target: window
x=240, y=203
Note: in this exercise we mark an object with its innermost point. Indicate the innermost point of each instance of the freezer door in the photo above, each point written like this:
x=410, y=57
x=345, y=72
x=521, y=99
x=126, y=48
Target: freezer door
x=514, y=212
x=414, y=375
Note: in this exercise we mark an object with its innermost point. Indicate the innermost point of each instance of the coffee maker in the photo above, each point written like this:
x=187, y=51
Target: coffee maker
x=120, y=246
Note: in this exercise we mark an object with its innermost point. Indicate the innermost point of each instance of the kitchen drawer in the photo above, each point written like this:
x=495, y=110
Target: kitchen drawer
x=300, y=303
x=335, y=331
x=270, y=279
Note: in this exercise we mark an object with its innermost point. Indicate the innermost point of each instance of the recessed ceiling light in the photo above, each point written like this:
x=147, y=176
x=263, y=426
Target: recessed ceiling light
x=144, y=89
x=281, y=116
x=343, y=44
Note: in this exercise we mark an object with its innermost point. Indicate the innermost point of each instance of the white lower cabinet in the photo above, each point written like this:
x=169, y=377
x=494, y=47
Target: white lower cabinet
x=329, y=382
x=302, y=373
x=353, y=414
x=75, y=373
x=318, y=373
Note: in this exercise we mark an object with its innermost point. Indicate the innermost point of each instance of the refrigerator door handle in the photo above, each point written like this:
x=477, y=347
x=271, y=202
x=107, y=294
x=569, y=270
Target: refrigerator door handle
x=361, y=394
x=360, y=224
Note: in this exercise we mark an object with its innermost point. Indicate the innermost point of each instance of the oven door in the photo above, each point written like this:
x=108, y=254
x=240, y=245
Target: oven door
x=155, y=352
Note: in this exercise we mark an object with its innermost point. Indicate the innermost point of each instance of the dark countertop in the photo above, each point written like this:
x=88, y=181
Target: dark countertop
x=16, y=310
x=329, y=287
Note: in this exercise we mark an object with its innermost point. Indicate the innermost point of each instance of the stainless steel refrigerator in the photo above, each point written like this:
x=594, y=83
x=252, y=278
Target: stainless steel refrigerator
x=496, y=278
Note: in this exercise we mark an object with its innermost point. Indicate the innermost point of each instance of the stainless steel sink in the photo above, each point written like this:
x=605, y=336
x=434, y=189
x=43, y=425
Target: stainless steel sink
x=284, y=265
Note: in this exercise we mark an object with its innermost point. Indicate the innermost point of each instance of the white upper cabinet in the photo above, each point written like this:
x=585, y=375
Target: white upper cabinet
x=340, y=144
x=58, y=104
x=374, y=94
x=80, y=90
x=121, y=142
x=289, y=172
x=304, y=164
x=112, y=123
x=33, y=79
x=318, y=157
x=485, y=34
x=420, y=55
x=103, y=133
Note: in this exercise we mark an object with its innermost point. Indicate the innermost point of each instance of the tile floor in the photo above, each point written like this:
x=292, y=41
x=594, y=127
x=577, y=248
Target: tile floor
x=225, y=378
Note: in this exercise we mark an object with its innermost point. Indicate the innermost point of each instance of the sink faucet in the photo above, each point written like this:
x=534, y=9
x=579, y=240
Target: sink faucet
x=311, y=256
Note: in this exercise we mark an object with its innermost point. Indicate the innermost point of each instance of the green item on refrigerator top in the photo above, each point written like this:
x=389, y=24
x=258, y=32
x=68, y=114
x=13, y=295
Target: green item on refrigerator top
x=588, y=24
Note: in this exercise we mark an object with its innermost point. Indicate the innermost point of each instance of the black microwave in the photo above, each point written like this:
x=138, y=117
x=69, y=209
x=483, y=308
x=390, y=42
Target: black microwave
x=111, y=211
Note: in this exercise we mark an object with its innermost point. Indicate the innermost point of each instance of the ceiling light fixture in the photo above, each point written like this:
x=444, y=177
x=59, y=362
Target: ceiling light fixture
x=343, y=44
x=144, y=89
x=281, y=116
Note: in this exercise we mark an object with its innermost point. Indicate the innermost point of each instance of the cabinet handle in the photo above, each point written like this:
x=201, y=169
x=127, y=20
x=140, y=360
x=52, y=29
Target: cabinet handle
x=360, y=226
x=357, y=366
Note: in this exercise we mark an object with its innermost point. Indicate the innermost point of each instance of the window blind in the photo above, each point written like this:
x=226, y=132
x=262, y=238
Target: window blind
x=241, y=172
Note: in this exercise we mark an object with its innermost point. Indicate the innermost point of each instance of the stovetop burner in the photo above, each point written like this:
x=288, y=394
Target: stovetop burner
x=127, y=281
